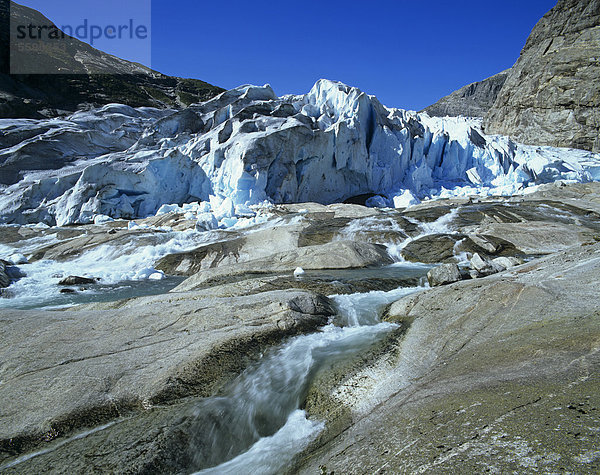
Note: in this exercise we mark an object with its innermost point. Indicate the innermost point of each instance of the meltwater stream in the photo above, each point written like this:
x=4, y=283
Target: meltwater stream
x=259, y=427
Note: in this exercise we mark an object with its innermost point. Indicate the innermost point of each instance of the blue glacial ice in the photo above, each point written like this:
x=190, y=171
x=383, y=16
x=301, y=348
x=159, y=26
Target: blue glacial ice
x=247, y=146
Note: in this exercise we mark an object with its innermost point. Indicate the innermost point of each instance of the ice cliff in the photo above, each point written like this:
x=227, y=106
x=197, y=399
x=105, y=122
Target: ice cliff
x=247, y=146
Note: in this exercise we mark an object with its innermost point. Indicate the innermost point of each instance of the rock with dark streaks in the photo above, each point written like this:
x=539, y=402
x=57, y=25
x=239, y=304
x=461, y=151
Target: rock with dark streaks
x=77, y=280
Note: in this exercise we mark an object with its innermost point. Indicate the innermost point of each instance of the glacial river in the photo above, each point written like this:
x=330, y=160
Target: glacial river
x=259, y=426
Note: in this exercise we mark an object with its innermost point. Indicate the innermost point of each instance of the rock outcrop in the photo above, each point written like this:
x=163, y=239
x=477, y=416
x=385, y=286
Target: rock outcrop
x=67, y=370
x=4, y=279
x=505, y=366
x=443, y=275
x=552, y=94
x=77, y=280
x=474, y=100
x=334, y=255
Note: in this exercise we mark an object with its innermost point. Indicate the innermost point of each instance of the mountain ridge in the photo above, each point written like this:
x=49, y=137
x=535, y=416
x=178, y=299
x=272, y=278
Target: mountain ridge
x=551, y=96
x=92, y=79
x=472, y=100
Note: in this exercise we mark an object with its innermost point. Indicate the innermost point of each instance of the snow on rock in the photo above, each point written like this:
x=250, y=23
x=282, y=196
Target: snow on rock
x=247, y=146
x=158, y=275
x=102, y=218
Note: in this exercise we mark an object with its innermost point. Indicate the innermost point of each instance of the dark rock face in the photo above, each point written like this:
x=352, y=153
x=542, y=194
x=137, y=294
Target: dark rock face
x=473, y=100
x=435, y=248
x=94, y=78
x=76, y=280
x=552, y=94
x=4, y=280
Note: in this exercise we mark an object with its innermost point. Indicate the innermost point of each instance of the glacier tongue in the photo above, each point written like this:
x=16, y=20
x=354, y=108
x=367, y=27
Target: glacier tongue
x=247, y=146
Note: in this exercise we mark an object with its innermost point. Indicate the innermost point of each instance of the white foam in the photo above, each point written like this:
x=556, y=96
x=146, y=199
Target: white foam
x=271, y=455
x=111, y=264
x=364, y=309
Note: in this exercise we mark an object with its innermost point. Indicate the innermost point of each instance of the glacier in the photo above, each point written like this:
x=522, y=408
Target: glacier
x=249, y=147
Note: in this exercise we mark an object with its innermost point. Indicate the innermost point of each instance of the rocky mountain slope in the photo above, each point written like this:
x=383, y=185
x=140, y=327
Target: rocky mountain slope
x=83, y=77
x=474, y=100
x=551, y=96
x=552, y=93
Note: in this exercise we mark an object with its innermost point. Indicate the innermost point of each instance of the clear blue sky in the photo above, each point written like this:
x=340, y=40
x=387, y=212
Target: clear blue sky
x=408, y=53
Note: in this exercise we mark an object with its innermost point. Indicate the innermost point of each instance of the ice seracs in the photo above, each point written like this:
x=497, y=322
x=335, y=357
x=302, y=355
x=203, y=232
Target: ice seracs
x=247, y=146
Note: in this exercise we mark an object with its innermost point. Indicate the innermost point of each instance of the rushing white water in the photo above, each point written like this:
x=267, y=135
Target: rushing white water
x=125, y=262
x=271, y=454
x=442, y=225
x=259, y=427
x=111, y=264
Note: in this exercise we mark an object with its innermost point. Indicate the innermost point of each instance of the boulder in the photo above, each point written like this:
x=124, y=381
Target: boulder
x=507, y=262
x=77, y=280
x=484, y=243
x=444, y=274
x=484, y=267
x=431, y=249
x=4, y=279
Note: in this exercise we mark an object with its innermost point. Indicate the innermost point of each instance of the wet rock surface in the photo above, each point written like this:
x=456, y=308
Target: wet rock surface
x=4, y=279
x=65, y=371
x=77, y=280
x=445, y=247
x=132, y=371
x=506, y=366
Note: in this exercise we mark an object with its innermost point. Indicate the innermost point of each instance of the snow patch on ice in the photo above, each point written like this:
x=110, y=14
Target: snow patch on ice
x=404, y=199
